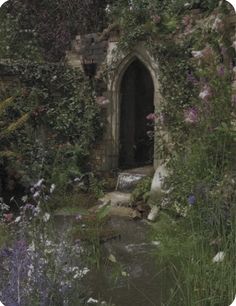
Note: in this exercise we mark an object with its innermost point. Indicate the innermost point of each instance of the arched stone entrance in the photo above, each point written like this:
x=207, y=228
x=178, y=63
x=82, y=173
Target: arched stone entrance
x=136, y=147
x=121, y=67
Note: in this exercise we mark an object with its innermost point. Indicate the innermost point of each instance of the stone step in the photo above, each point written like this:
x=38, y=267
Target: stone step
x=127, y=180
x=116, y=199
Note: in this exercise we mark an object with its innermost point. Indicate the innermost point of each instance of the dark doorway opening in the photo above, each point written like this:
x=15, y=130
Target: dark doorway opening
x=137, y=102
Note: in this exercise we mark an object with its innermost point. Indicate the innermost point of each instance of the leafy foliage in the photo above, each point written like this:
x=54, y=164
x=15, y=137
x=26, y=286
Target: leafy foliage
x=63, y=123
x=43, y=30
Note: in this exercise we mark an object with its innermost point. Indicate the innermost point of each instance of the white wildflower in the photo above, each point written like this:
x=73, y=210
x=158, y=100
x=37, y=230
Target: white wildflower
x=24, y=199
x=39, y=183
x=31, y=247
x=204, y=94
x=108, y=9
x=36, y=194
x=219, y=257
x=30, y=271
x=80, y=273
x=187, y=4
x=37, y=210
x=48, y=243
x=197, y=54
x=17, y=220
x=92, y=301
x=4, y=206
x=46, y=217
x=217, y=23
x=52, y=188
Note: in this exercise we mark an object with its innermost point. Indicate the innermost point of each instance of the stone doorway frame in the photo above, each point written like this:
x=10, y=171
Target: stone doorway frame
x=120, y=64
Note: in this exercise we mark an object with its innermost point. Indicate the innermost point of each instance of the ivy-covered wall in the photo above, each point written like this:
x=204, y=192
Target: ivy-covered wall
x=191, y=45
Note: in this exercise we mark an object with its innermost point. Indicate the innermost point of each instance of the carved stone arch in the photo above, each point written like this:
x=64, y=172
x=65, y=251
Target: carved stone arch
x=120, y=66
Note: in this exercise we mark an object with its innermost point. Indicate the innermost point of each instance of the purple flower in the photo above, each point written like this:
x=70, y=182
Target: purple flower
x=221, y=70
x=191, y=115
x=191, y=199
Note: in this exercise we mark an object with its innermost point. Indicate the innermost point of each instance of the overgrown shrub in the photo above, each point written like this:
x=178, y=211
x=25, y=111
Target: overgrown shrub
x=64, y=121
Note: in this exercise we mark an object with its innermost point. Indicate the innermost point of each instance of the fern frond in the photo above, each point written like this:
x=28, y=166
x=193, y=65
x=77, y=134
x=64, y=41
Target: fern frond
x=15, y=125
x=4, y=104
x=8, y=154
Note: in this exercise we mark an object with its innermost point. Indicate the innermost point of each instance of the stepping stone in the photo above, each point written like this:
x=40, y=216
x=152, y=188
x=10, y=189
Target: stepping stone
x=128, y=180
x=116, y=199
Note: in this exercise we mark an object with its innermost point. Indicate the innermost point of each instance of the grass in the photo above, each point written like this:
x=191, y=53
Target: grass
x=70, y=203
x=4, y=235
x=187, y=250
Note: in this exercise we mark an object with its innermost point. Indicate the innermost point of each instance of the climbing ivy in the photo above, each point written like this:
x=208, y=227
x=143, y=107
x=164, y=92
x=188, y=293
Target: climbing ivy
x=64, y=121
x=195, y=77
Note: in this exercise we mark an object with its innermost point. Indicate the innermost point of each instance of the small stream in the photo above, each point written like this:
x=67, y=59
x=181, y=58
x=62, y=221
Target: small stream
x=128, y=274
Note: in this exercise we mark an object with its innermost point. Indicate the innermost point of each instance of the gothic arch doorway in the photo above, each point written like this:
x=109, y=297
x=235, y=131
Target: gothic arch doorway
x=136, y=147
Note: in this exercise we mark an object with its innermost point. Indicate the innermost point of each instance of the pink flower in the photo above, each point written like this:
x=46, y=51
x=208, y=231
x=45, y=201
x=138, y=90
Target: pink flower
x=206, y=93
x=8, y=217
x=191, y=115
x=156, y=19
x=151, y=117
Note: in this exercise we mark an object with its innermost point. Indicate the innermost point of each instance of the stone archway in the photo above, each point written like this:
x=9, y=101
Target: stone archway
x=120, y=66
x=136, y=148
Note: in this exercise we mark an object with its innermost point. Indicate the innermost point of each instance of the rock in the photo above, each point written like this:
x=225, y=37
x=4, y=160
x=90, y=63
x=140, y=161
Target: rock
x=157, y=191
x=158, y=179
x=112, y=258
x=116, y=198
x=219, y=257
x=121, y=212
x=128, y=181
x=153, y=213
x=144, y=209
x=136, y=215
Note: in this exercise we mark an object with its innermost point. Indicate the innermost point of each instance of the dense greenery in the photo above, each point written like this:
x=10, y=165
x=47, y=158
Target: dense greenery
x=43, y=30
x=194, y=55
x=63, y=123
